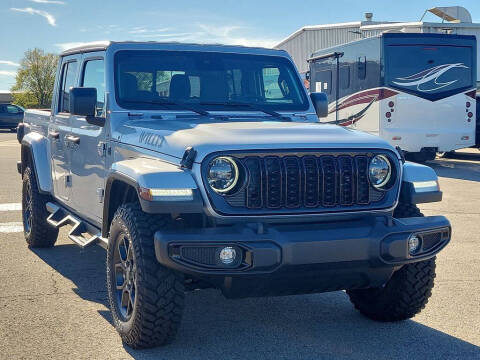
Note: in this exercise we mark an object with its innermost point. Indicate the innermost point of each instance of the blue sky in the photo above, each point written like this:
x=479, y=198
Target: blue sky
x=54, y=25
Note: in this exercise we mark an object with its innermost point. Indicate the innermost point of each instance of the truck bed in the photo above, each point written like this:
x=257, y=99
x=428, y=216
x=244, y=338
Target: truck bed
x=37, y=116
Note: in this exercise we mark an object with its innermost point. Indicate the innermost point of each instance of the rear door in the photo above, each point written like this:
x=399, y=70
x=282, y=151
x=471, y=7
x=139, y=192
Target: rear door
x=88, y=157
x=59, y=129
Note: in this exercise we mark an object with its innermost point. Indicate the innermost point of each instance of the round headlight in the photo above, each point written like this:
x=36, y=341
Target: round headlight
x=379, y=171
x=222, y=174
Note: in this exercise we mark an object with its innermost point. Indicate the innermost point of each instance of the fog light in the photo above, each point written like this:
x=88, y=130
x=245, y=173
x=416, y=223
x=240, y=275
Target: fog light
x=227, y=255
x=413, y=244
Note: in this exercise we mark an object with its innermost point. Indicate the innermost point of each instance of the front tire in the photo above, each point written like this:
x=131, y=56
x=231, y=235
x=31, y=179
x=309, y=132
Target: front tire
x=408, y=290
x=146, y=299
x=37, y=231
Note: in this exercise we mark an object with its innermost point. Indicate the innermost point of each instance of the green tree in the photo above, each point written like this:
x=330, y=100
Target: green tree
x=35, y=79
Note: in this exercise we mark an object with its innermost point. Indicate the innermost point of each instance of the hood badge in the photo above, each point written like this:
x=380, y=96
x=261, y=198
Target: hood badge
x=151, y=139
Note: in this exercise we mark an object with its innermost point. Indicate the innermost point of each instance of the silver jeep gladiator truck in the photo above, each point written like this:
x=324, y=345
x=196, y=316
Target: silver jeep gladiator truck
x=201, y=166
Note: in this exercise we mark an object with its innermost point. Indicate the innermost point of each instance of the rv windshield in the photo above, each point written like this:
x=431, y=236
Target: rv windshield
x=206, y=81
x=430, y=71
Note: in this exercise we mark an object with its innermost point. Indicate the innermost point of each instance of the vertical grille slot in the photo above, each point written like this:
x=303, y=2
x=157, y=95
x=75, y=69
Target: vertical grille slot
x=292, y=181
x=273, y=174
x=254, y=187
x=346, y=180
x=363, y=187
x=312, y=181
x=329, y=168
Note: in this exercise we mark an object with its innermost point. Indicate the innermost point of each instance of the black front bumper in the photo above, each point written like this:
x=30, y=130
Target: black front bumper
x=301, y=258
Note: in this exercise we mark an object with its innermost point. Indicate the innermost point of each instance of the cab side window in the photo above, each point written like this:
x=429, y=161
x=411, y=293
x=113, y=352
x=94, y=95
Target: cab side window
x=94, y=77
x=12, y=109
x=69, y=73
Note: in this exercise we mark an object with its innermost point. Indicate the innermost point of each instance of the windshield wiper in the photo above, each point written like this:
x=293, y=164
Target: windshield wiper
x=168, y=102
x=251, y=106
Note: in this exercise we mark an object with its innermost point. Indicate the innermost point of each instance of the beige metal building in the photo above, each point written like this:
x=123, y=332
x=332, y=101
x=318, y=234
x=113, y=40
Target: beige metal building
x=5, y=97
x=303, y=42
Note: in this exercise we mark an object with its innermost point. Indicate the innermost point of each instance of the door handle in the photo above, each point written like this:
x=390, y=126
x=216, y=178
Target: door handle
x=54, y=134
x=73, y=139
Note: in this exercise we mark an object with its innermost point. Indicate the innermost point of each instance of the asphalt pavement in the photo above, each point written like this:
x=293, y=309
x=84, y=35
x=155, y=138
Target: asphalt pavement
x=53, y=302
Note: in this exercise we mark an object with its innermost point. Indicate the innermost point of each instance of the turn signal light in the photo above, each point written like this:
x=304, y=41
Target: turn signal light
x=166, y=194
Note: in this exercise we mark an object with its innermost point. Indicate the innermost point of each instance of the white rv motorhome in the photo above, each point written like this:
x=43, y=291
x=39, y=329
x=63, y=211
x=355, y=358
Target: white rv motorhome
x=415, y=90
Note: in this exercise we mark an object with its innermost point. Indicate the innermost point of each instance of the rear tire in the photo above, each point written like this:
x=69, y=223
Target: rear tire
x=146, y=298
x=37, y=231
x=408, y=290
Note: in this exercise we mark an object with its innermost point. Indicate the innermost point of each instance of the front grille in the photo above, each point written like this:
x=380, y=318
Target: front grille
x=307, y=181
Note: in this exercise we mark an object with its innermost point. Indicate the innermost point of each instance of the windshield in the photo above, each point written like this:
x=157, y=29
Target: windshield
x=191, y=80
x=430, y=71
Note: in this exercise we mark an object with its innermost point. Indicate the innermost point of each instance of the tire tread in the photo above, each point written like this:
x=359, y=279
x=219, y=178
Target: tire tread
x=160, y=297
x=42, y=234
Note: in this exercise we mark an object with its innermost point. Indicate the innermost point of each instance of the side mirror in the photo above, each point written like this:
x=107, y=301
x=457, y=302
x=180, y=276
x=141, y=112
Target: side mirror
x=83, y=102
x=320, y=103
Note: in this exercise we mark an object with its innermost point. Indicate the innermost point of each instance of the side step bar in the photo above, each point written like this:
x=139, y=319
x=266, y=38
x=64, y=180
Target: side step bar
x=82, y=233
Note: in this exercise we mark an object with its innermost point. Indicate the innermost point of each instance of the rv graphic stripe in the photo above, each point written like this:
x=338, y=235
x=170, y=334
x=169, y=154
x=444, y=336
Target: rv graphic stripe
x=427, y=80
x=363, y=97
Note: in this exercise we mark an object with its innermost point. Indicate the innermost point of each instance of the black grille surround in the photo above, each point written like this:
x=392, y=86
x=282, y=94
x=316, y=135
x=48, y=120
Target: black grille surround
x=303, y=182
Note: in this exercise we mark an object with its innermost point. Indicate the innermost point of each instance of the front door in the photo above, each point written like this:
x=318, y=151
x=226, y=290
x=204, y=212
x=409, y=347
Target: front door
x=88, y=155
x=59, y=130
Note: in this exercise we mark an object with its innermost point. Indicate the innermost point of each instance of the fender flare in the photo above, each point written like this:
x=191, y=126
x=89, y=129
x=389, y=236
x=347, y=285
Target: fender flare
x=419, y=184
x=39, y=148
x=151, y=174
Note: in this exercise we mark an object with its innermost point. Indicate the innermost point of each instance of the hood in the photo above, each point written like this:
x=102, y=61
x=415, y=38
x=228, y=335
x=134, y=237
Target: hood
x=173, y=137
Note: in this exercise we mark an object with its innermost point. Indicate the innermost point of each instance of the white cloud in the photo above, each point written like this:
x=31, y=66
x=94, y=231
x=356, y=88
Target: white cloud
x=50, y=18
x=166, y=36
x=232, y=35
x=9, y=63
x=204, y=33
x=48, y=2
x=7, y=73
x=143, y=30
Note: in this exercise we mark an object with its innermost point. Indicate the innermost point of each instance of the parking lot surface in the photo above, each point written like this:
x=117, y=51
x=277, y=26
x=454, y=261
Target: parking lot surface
x=53, y=302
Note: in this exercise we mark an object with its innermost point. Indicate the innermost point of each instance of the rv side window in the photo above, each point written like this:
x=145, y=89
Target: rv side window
x=362, y=67
x=323, y=81
x=344, y=75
